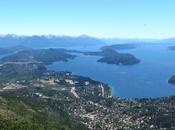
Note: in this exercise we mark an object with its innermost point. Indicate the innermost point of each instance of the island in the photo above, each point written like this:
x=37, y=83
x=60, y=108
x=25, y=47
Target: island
x=172, y=80
x=32, y=97
x=42, y=56
x=120, y=46
x=13, y=49
x=4, y=51
x=172, y=48
x=111, y=56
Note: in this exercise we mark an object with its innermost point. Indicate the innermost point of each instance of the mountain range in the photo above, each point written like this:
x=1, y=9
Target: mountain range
x=46, y=41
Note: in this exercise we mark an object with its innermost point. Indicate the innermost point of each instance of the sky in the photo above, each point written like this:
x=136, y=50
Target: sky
x=98, y=18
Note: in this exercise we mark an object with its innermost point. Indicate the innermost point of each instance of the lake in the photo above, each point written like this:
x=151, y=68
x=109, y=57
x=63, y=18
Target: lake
x=144, y=80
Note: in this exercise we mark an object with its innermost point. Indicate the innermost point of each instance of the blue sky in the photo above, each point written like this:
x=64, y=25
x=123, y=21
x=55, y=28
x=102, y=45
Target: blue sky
x=99, y=18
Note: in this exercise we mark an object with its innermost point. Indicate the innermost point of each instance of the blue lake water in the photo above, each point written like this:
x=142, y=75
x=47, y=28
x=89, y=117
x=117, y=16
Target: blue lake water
x=3, y=55
x=143, y=80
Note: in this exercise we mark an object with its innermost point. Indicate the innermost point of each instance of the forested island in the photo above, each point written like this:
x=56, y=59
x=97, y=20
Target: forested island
x=120, y=46
x=110, y=56
x=48, y=56
x=172, y=48
x=42, y=56
x=9, y=50
x=32, y=97
x=172, y=80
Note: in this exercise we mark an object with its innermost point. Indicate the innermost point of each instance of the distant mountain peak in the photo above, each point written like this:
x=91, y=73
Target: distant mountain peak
x=84, y=36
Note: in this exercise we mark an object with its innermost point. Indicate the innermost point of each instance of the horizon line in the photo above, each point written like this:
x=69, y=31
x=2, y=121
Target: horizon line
x=85, y=35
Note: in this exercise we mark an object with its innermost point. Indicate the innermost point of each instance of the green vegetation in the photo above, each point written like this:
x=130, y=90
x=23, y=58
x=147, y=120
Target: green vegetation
x=33, y=98
x=44, y=56
x=120, y=46
x=21, y=114
x=110, y=56
x=4, y=51
x=14, y=72
x=172, y=80
x=172, y=48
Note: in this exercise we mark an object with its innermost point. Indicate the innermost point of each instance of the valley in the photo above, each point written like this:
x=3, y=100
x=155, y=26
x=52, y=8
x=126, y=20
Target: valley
x=77, y=102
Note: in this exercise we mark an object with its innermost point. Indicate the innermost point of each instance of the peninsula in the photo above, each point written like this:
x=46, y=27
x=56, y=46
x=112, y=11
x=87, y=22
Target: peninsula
x=110, y=56
x=32, y=97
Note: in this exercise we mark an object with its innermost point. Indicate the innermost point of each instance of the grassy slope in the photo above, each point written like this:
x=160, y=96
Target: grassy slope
x=21, y=114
